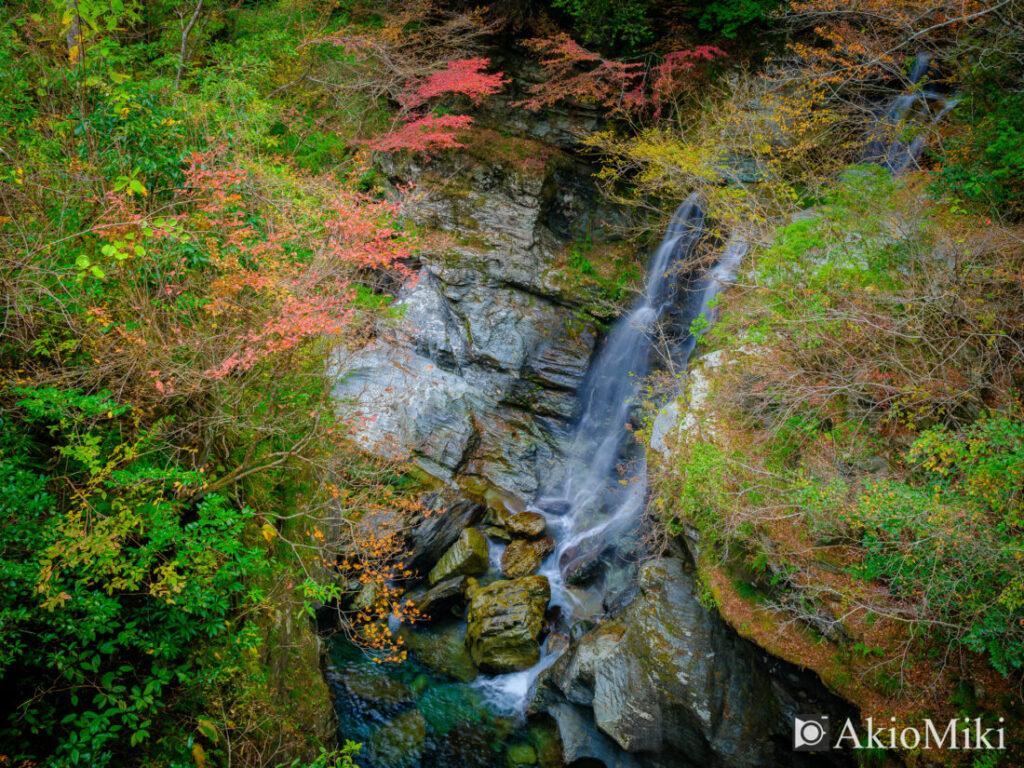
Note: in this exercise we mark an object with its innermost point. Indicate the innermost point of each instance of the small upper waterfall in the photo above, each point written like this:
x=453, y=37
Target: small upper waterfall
x=889, y=149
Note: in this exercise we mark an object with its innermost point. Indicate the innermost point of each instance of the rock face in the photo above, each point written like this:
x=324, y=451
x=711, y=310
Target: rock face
x=466, y=557
x=477, y=376
x=669, y=683
x=523, y=557
x=504, y=623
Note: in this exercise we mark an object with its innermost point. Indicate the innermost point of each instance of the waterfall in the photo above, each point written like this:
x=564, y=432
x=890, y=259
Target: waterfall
x=887, y=149
x=598, y=504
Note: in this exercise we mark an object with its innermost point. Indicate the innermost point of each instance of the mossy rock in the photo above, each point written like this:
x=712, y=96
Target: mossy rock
x=527, y=524
x=520, y=754
x=377, y=689
x=443, y=650
x=523, y=557
x=504, y=622
x=468, y=556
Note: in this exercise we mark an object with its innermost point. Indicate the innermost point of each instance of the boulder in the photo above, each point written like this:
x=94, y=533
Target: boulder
x=442, y=649
x=504, y=623
x=498, y=533
x=377, y=689
x=527, y=524
x=432, y=537
x=466, y=557
x=436, y=601
x=523, y=557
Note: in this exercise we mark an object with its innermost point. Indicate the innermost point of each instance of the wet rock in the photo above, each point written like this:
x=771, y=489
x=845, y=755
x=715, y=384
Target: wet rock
x=582, y=743
x=557, y=507
x=377, y=689
x=504, y=622
x=542, y=732
x=523, y=557
x=497, y=533
x=520, y=754
x=466, y=557
x=442, y=649
x=467, y=746
x=436, y=602
x=432, y=537
x=659, y=679
x=527, y=524
x=581, y=564
x=399, y=742
x=556, y=643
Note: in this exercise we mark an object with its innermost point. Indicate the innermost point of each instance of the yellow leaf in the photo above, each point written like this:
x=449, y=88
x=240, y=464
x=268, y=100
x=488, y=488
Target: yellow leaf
x=269, y=532
x=199, y=755
x=208, y=729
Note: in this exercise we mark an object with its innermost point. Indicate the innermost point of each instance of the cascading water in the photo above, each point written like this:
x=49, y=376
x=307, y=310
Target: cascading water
x=890, y=150
x=600, y=501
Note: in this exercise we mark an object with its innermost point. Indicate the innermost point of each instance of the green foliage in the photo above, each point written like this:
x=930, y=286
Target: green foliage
x=609, y=23
x=119, y=600
x=950, y=539
x=728, y=17
x=984, y=166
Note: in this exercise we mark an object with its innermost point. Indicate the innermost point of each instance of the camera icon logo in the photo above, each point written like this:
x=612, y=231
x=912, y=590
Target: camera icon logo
x=810, y=733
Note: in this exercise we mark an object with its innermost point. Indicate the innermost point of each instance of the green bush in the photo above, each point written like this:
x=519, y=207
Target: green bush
x=119, y=597
x=609, y=23
x=984, y=165
x=949, y=540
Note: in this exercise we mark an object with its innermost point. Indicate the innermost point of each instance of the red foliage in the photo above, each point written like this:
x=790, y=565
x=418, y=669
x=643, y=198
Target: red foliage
x=425, y=134
x=463, y=76
x=255, y=268
x=630, y=88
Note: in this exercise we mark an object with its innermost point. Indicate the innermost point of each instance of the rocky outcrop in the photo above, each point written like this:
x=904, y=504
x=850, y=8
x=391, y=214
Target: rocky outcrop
x=671, y=684
x=504, y=623
x=477, y=374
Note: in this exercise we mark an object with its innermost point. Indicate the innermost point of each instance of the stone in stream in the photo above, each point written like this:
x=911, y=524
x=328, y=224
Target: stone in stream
x=432, y=537
x=526, y=524
x=377, y=689
x=581, y=563
x=442, y=649
x=519, y=755
x=436, y=602
x=399, y=742
x=523, y=557
x=466, y=557
x=504, y=623
x=498, y=533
